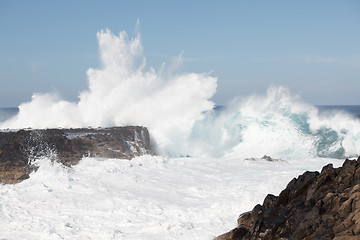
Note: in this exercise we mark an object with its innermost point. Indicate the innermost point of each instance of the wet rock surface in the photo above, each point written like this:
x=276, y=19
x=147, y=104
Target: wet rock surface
x=19, y=149
x=315, y=205
x=264, y=158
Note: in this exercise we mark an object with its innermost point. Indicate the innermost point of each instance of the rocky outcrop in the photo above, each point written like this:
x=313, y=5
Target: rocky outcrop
x=264, y=158
x=315, y=205
x=18, y=149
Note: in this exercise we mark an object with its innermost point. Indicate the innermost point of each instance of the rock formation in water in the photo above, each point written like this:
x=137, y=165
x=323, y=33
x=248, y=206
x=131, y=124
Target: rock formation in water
x=19, y=149
x=315, y=205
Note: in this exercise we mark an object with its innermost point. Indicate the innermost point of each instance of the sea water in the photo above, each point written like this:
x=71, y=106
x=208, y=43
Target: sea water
x=145, y=198
x=209, y=167
x=7, y=113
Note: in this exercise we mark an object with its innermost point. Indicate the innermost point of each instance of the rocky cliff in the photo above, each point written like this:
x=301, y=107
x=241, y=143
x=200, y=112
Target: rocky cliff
x=19, y=149
x=315, y=205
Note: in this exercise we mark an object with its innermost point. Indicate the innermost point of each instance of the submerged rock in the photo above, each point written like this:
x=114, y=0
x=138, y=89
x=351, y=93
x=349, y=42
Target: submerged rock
x=264, y=158
x=19, y=149
x=270, y=159
x=315, y=205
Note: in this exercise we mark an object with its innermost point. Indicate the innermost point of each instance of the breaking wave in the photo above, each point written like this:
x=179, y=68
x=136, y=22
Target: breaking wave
x=277, y=124
x=124, y=92
x=181, y=118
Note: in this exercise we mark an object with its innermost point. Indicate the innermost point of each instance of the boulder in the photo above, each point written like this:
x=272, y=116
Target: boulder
x=19, y=149
x=315, y=205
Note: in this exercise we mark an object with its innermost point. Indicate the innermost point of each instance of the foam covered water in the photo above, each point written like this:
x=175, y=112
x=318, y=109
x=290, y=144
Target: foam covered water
x=145, y=198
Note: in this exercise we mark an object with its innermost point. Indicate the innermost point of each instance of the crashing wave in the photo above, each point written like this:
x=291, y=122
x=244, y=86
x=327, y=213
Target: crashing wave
x=181, y=118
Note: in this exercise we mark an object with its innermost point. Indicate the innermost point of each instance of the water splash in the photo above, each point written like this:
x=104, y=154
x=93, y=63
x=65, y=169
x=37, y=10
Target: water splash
x=177, y=110
x=277, y=124
x=124, y=92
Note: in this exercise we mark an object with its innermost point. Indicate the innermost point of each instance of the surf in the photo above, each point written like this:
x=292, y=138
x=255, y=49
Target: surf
x=182, y=119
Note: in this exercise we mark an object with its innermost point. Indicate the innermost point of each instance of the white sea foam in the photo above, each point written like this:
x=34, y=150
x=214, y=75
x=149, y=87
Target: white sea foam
x=146, y=198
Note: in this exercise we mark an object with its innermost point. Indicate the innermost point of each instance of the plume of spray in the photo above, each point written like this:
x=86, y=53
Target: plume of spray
x=181, y=119
x=278, y=124
x=124, y=92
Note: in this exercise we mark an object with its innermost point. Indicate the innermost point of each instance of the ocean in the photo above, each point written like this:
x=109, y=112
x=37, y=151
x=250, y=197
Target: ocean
x=209, y=168
x=353, y=110
x=156, y=197
x=7, y=113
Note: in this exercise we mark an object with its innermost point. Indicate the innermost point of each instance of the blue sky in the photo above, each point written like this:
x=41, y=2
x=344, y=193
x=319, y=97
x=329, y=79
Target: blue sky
x=311, y=47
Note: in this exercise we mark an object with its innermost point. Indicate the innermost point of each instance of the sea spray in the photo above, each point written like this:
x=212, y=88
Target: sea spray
x=278, y=124
x=182, y=121
x=123, y=92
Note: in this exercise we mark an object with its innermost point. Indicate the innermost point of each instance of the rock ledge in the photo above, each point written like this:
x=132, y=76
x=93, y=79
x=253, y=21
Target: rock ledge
x=18, y=149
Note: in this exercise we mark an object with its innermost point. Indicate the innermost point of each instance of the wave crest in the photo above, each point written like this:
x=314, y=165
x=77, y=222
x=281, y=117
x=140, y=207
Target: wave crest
x=177, y=110
x=277, y=124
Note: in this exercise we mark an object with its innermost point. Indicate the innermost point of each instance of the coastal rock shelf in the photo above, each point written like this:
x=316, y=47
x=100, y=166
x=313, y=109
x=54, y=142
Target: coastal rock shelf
x=19, y=149
x=315, y=205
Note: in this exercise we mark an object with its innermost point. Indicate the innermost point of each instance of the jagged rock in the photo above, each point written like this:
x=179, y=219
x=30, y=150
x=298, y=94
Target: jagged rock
x=18, y=149
x=235, y=234
x=250, y=159
x=270, y=159
x=265, y=158
x=315, y=205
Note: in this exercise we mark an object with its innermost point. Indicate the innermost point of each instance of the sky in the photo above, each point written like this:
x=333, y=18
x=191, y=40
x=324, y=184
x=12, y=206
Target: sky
x=310, y=47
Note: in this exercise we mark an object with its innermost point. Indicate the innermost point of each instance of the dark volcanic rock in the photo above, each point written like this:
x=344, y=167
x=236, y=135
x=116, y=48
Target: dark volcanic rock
x=68, y=146
x=315, y=205
x=265, y=158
